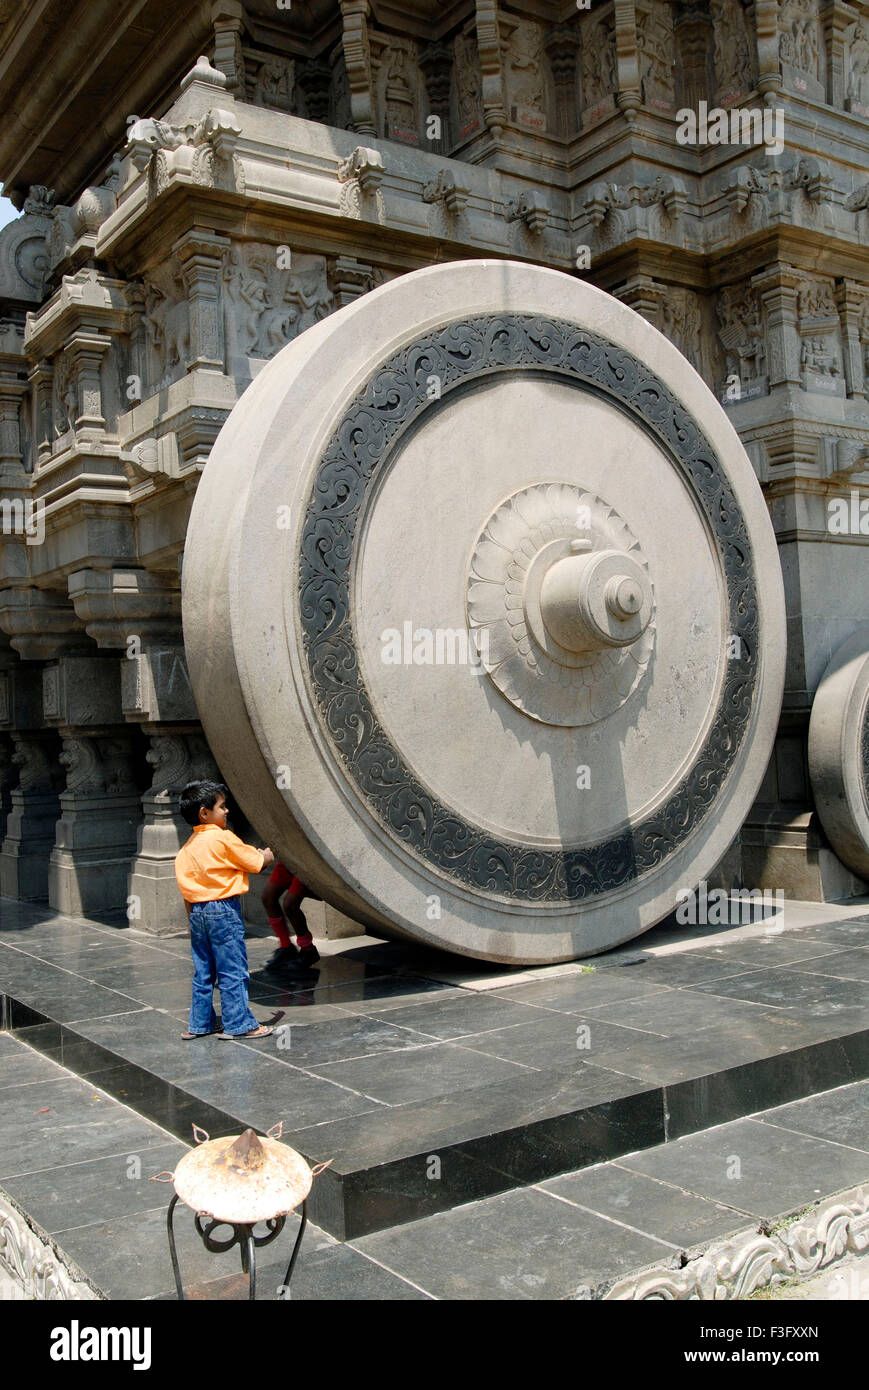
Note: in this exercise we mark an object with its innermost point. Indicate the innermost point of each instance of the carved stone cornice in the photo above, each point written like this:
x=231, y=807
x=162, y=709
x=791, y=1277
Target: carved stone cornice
x=87, y=301
x=40, y=622
x=119, y=604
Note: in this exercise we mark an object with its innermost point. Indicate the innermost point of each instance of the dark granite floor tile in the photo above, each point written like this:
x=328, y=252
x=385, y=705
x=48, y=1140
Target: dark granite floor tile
x=129, y=975
x=261, y=1091
x=461, y=1015
x=499, y=1110
x=326, y=974
x=434, y=1070
x=812, y=994
x=681, y=1012
x=390, y=992
x=746, y=1165
x=150, y=1039
x=843, y=965
x=520, y=1245
x=764, y=952
x=336, y=1273
x=59, y=1122
x=26, y=1069
x=853, y=931
x=559, y=1040
x=841, y=1115
x=656, y=1209
x=578, y=993
x=338, y=1040
x=77, y=1000
x=684, y=968
x=81, y=1194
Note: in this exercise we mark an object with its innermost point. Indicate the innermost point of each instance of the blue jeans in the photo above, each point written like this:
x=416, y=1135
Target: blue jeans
x=219, y=958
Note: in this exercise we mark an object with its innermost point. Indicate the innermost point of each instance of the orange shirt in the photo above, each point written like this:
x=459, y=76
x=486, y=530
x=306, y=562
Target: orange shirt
x=214, y=863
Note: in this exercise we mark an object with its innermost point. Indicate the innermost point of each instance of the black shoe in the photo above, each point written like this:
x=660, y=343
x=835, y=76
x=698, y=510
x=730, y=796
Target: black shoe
x=308, y=957
x=282, y=957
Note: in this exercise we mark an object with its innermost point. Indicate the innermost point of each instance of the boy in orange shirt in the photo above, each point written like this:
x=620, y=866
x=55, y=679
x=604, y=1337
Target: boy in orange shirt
x=212, y=869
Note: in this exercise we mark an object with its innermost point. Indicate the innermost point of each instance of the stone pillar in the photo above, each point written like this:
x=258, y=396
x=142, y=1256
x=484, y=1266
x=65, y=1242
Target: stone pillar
x=87, y=351
x=628, y=58
x=694, y=68
x=643, y=294
x=156, y=693
x=202, y=258
x=349, y=278
x=562, y=48
x=769, y=80
x=851, y=302
x=41, y=380
x=178, y=754
x=227, y=16
x=33, y=804
x=357, y=58
x=13, y=387
x=489, y=46
x=313, y=80
x=777, y=287
x=100, y=808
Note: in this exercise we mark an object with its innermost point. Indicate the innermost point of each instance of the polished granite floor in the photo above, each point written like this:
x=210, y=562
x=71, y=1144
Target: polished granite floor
x=79, y=1163
x=387, y=1053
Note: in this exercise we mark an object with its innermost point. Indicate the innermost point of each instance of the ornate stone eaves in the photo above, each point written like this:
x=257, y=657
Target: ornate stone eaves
x=116, y=604
x=23, y=249
x=735, y=1268
x=40, y=622
x=35, y=1270
x=73, y=236
x=86, y=300
x=365, y=166
x=529, y=207
x=444, y=189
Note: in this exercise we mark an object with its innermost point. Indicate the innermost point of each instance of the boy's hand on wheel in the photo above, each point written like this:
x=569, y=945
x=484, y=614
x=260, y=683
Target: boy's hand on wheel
x=268, y=858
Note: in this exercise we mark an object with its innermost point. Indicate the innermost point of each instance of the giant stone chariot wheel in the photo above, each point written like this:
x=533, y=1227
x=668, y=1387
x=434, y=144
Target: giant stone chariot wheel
x=484, y=614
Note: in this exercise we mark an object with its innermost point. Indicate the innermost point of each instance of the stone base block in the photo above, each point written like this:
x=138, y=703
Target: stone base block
x=29, y=839
x=83, y=881
x=796, y=859
x=154, y=904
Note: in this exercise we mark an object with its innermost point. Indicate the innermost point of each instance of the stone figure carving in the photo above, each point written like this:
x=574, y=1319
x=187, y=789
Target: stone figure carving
x=65, y=395
x=523, y=67
x=147, y=135
x=732, y=47
x=657, y=45
x=681, y=321
x=268, y=306
x=815, y=300
x=798, y=35
x=39, y=200
x=741, y=332
x=83, y=772
x=167, y=323
x=819, y=355
x=444, y=189
x=275, y=84
x=469, y=85
x=599, y=63
x=400, y=100
x=857, y=64
x=37, y=770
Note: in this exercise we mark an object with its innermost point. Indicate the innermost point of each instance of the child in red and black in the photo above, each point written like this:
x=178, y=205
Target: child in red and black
x=305, y=954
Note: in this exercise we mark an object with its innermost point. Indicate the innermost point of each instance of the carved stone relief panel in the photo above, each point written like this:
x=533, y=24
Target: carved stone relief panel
x=681, y=320
x=469, y=87
x=656, y=41
x=271, y=81
x=732, y=50
x=857, y=67
x=339, y=92
x=269, y=303
x=167, y=324
x=524, y=74
x=401, y=98
x=743, y=338
x=800, y=47
x=598, y=68
x=820, y=345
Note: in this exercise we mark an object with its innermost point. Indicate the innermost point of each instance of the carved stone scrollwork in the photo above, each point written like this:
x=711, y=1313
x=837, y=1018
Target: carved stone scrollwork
x=215, y=163
x=365, y=166
x=735, y=1268
x=32, y=1263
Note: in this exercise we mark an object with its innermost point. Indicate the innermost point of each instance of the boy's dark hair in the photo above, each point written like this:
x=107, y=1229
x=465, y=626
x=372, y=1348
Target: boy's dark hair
x=196, y=795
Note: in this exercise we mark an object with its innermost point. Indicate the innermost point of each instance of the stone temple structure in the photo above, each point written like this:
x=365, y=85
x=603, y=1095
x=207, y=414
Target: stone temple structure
x=203, y=184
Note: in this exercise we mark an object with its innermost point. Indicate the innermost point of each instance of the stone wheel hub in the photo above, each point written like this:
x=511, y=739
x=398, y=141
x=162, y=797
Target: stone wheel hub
x=511, y=675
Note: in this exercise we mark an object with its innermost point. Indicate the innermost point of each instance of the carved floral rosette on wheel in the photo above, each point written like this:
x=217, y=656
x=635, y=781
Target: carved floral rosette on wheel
x=484, y=614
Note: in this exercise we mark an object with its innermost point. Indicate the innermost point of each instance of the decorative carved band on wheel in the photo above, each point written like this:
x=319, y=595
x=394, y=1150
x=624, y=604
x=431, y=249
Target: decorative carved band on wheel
x=839, y=751
x=518, y=486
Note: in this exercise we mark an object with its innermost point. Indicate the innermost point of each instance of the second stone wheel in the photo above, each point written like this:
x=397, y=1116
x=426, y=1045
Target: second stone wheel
x=484, y=614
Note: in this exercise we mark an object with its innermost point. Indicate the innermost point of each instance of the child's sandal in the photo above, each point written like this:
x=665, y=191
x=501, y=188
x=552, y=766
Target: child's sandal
x=261, y=1032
